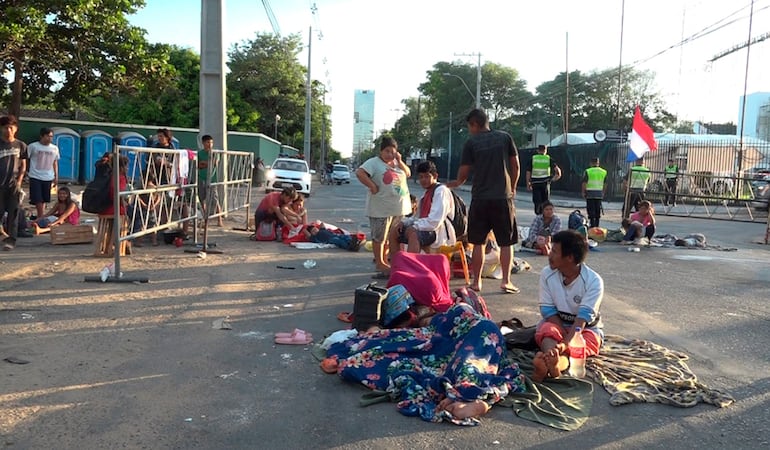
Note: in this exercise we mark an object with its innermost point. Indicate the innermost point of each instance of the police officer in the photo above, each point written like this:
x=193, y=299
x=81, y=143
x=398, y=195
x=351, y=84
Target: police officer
x=636, y=184
x=594, y=188
x=540, y=172
x=672, y=172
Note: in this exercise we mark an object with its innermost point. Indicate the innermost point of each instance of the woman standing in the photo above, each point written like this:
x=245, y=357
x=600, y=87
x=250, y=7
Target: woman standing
x=386, y=178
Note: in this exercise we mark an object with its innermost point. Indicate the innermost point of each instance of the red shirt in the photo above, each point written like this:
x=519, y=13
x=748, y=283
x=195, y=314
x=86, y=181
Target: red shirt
x=109, y=211
x=270, y=201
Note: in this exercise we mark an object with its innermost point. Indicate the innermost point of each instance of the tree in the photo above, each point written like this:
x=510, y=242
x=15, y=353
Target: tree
x=593, y=100
x=170, y=100
x=72, y=48
x=265, y=79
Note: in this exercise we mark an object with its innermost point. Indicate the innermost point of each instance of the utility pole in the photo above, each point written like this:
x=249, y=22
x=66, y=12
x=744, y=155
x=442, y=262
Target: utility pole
x=566, y=101
x=449, y=158
x=478, y=76
x=308, y=99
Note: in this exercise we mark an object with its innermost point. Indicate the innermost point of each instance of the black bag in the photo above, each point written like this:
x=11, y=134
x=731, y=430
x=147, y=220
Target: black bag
x=460, y=219
x=367, y=306
x=96, y=195
x=576, y=220
x=521, y=337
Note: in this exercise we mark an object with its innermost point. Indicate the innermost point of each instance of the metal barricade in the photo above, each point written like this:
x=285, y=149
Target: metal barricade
x=162, y=194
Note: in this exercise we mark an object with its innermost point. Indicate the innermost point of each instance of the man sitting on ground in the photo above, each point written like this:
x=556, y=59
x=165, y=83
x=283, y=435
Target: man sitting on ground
x=570, y=296
x=269, y=209
x=640, y=227
x=429, y=226
x=542, y=229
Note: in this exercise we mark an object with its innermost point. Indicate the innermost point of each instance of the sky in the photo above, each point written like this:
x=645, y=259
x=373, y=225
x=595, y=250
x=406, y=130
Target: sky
x=390, y=45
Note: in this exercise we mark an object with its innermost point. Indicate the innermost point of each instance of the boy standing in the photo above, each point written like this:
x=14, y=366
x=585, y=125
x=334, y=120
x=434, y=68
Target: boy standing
x=43, y=170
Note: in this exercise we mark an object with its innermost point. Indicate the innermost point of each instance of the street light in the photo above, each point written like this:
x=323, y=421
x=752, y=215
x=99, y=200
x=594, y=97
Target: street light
x=475, y=99
x=275, y=133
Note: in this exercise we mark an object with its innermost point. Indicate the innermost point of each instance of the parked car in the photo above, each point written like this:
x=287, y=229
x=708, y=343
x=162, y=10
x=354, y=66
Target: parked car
x=341, y=174
x=286, y=172
x=762, y=198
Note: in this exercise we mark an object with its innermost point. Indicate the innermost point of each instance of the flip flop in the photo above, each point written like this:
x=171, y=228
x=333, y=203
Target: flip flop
x=345, y=316
x=299, y=338
x=293, y=334
x=510, y=289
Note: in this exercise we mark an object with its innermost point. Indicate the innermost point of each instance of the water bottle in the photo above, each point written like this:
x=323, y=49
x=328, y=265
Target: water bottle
x=577, y=354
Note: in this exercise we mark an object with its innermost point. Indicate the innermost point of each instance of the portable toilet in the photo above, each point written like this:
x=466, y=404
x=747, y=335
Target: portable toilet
x=133, y=139
x=68, y=141
x=95, y=144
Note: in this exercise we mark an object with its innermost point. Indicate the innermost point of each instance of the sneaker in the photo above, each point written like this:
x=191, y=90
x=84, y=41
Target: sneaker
x=638, y=241
x=9, y=245
x=624, y=242
x=355, y=244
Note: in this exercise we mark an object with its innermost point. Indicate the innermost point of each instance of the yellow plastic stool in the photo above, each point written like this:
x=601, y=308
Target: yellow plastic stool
x=450, y=250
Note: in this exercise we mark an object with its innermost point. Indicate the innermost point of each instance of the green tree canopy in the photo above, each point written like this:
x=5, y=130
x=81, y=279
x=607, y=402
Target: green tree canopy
x=72, y=49
x=593, y=100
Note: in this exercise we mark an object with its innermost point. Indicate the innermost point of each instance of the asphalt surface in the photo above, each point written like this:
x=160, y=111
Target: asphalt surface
x=140, y=366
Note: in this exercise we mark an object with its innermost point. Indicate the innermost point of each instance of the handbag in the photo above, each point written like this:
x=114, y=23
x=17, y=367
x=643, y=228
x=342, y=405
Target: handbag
x=521, y=337
x=367, y=306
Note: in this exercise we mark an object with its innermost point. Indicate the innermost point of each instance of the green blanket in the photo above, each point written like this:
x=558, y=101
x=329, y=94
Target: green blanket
x=563, y=403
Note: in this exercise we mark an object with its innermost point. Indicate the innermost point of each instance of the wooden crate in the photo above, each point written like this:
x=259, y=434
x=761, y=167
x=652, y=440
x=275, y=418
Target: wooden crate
x=72, y=234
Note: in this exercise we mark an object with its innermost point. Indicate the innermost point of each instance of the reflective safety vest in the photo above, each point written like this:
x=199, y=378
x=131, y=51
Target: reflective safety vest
x=541, y=167
x=595, y=184
x=671, y=171
x=640, y=175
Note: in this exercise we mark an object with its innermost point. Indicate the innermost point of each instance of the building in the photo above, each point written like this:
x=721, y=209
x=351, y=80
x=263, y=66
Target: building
x=363, y=125
x=757, y=122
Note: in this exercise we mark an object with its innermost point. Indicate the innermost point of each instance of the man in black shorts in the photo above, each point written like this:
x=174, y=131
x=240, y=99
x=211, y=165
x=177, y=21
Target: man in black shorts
x=494, y=160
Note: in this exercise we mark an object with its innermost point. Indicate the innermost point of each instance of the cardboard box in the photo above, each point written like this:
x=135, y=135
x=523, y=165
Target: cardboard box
x=72, y=234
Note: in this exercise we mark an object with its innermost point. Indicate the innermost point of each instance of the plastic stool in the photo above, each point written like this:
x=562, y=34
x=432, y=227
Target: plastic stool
x=450, y=250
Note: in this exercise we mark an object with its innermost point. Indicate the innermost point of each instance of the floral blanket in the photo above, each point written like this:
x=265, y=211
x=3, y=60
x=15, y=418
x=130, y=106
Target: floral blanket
x=460, y=355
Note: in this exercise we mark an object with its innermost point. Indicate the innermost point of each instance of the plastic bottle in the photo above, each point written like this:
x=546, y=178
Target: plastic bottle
x=577, y=354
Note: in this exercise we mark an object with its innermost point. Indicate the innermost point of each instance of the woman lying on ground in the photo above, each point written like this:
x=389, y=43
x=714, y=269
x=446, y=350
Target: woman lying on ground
x=453, y=369
x=64, y=211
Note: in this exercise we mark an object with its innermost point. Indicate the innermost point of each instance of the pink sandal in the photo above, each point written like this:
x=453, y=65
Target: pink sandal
x=296, y=337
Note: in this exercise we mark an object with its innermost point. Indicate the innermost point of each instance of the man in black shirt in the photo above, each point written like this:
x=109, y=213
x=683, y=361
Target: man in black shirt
x=13, y=165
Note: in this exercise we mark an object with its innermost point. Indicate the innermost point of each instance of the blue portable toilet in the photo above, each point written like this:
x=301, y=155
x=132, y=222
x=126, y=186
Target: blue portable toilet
x=133, y=139
x=68, y=141
x=95, y=144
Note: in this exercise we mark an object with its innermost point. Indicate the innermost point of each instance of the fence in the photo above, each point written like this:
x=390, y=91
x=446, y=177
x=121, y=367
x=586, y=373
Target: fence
x=163, y=192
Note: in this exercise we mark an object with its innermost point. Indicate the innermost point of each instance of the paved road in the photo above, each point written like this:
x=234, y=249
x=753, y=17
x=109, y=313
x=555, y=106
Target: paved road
x=139, y=366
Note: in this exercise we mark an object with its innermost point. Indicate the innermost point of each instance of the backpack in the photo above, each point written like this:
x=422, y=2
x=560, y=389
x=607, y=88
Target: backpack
x=577, y=220
x=96, y=196
x=266, y=231
x=460, y=219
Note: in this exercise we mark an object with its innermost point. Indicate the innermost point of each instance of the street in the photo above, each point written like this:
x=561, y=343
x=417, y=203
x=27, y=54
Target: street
x=122, y=365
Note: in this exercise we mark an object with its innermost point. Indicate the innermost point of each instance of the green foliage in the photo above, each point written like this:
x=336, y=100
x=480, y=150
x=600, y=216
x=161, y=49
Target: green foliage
x=171, y=99
x=593, y=101
x=74, y=49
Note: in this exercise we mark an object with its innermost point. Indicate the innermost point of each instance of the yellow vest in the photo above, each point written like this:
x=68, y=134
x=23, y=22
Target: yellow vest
x=595, y=184
x=671, y=171
x=541, y=166
x=640, y=175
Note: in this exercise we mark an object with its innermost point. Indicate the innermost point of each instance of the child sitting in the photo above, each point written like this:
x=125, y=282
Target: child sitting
x=64, y=211
x=640, y=227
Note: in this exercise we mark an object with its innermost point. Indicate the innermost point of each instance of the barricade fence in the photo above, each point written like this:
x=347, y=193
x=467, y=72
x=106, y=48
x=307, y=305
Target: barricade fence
x=162, y=191
x=703, y=195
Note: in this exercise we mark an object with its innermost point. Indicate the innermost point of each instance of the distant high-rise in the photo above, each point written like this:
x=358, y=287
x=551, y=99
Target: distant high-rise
x=363, y=121
x=757, y=123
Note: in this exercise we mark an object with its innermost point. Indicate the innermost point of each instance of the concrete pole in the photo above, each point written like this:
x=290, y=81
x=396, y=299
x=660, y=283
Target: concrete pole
x=478, y=82
x=213, y=115
x=308, y=98
x=449, y=158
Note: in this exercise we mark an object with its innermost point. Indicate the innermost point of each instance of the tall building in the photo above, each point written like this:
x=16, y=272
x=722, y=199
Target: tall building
x=363, y=117
x=757, y=122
